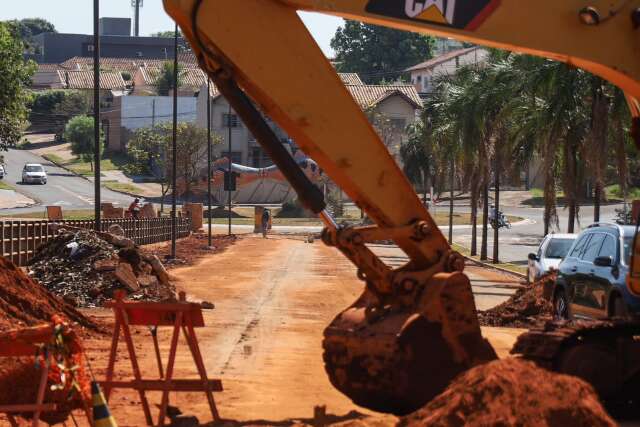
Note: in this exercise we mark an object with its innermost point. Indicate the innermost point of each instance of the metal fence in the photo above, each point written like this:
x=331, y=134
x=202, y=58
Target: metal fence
x=20, y=239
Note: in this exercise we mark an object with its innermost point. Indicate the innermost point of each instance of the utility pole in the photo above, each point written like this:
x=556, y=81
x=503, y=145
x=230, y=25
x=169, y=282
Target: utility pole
x=496, y=230
x=136, y=4
x=174, y=147
x=209, y=155
x=451, y=180
x=230, y=180
x=96, y=111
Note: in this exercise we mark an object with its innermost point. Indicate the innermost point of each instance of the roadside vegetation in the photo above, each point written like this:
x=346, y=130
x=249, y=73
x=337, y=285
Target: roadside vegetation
x=516, y=108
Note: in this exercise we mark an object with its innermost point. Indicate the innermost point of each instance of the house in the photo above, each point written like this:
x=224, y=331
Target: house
x=390, y=108
x=46, y=77
x=145, y=78
x=128, y=113
x=111, y=84
x=423, y=74
x=245, y=150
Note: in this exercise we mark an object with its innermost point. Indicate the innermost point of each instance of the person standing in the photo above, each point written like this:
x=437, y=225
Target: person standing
x=266, y=220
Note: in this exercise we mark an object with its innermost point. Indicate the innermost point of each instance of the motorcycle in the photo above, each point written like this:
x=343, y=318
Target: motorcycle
x=500, y=221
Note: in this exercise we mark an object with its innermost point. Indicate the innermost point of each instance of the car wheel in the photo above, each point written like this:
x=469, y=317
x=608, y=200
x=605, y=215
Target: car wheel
x=619, y=308
x=561, y=306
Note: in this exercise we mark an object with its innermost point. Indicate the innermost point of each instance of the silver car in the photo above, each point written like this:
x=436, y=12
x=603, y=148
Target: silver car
x=34, y=173
x=552, y=250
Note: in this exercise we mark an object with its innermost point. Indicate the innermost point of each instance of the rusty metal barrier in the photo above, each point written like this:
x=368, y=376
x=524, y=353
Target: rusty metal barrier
x=20, y=239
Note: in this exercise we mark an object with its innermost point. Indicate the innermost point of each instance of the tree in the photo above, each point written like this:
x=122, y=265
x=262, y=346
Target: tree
x=150, y=150
x=15, y=76
x=54, y=108
x=378, y=53
x=80, y=133
x=27, y=28
x=164, y=82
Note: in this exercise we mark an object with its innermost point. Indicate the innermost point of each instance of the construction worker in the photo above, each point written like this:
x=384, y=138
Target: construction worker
x=266, y=219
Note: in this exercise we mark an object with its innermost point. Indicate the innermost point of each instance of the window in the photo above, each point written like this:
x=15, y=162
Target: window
x=593, y=247
x=230, y=120
x=628, y=249
x=236, y=156
x=609, y=247
x=558, y=248
x=89, y=48
x=419, y=79
x=579, y=247
x=398, y=124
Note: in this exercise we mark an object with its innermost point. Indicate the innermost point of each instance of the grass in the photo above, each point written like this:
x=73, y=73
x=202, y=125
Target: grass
x=505, y=265
x=124, y=187
x=109, y=163
x=5, y=186
x=614, y=192
x=68, y=214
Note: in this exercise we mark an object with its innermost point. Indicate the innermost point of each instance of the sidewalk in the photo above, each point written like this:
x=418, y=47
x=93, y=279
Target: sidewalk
x=10, y=199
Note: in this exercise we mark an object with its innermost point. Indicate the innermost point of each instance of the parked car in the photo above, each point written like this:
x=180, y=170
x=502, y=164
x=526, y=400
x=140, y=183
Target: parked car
x=552, y=250
x=3, y=172
x=34, y=173
x=592, y=278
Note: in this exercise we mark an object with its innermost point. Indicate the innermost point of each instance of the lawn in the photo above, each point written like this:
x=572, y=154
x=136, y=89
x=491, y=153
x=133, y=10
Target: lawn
x=5, y=186
x=109, y=163
x=68, y=214
x=614, y=192
x=124, y=187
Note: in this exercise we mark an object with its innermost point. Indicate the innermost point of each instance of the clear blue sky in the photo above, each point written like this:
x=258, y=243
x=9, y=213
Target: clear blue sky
x=75, y=16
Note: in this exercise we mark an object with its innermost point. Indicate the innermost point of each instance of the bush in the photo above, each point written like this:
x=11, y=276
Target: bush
x=80, y=133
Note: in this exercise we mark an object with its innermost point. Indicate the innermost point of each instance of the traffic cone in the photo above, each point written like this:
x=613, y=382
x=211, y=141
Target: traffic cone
x=101, y=415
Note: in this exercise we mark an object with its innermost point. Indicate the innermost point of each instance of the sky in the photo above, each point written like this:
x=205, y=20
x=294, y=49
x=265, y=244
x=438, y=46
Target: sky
x=76, y=16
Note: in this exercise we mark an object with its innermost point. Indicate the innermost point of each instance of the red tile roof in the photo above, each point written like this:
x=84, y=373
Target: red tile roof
x=84, y=80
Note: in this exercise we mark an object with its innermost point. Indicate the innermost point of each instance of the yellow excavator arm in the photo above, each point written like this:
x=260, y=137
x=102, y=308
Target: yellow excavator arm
x=415, y=327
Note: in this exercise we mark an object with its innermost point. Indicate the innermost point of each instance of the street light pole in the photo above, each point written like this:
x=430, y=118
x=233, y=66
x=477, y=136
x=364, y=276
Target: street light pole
x=229, y=180
x=96, y=111
x=209, y=155
x=174, y=146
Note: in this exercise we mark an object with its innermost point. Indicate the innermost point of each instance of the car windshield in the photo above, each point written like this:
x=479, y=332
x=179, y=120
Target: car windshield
x=33, y=168
x=558, y=248
x=628, y=249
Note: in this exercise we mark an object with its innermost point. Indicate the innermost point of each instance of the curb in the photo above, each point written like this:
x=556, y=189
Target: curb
x=494, y=267
x=65, y=168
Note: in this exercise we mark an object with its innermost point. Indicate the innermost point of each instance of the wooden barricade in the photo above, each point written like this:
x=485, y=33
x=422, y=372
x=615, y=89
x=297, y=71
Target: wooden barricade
x=183, y=316
x=54, y=213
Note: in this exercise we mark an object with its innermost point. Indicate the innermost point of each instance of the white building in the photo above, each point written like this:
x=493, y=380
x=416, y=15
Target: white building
x=423, y=74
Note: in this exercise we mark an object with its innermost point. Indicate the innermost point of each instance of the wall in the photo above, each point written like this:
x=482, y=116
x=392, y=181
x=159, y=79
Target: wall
x=397, y=108
x=58, y=48
x=423, y=79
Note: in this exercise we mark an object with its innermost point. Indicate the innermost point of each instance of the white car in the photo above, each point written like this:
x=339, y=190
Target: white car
x=3, y=171
x=552, y=250
x=34, y=173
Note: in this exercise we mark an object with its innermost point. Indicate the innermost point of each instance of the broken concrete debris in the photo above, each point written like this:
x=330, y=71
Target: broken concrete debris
x=85, y=268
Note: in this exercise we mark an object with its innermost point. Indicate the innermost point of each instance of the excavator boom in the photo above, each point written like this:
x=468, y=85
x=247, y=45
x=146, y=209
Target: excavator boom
x=415, y=327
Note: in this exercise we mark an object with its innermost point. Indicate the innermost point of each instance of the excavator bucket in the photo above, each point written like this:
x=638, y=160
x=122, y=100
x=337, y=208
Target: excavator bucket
x=396, y=359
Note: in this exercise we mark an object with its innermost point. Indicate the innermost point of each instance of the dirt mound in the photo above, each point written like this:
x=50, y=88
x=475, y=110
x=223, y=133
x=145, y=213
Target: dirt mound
x=190, y=249
x=513, y=392
x=23, y=302
x=86, y=268
x=527, y=307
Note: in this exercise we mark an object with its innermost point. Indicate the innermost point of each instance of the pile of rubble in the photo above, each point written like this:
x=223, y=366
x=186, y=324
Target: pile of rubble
x=527, y=307
x=512, y=392
x=23, y=302
x=86, y=268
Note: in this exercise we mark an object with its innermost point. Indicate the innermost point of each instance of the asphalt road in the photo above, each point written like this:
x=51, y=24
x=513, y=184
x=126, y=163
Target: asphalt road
x=62, y=188
x=517, y=242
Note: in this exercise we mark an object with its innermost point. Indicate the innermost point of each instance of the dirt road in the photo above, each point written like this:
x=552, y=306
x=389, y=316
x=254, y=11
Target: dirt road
x=273, y=299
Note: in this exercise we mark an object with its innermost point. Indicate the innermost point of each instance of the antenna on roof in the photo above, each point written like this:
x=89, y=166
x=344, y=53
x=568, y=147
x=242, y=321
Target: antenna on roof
x=136, y=5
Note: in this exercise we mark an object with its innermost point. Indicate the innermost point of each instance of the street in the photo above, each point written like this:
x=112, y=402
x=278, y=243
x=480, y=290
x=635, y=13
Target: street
x=273, y=298
x=62, y=189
